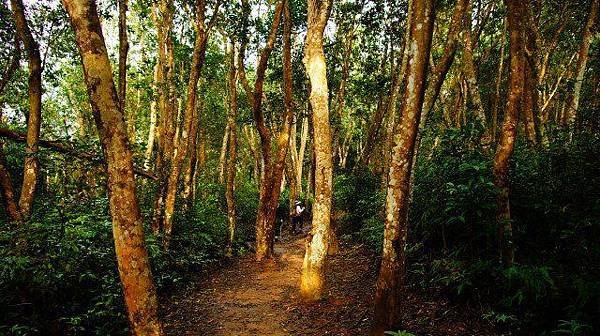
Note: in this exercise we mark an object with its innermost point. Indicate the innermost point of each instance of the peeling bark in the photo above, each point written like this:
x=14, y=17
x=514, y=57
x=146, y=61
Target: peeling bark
x=391, y=279
x=317, y=243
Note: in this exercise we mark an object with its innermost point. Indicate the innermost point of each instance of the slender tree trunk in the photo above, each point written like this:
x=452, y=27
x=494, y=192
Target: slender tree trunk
x=223, y=154
x=470, y=71
x=586, y=39
x=189, y=177
x=232, y=151
x=31, y=167
x=181, y=148
x=515, y=19
x=390, y=282
x=152, y=126
x=132, y=258
x=498, y=85
x=300, y=159
x=163, y=19
x=123, y=49
x=439, y=72
x=317, y=244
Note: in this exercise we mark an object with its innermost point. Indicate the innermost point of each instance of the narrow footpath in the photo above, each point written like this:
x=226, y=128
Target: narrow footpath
x=249, y=298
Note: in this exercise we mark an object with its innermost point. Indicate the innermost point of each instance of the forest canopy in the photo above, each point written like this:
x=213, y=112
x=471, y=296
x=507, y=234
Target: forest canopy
x=299, y=167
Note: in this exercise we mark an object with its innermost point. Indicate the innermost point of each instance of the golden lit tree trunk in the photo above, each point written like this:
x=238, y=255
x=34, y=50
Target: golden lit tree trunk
x=132, y=258
x=515, y=19
x=31, y=167
x=391, y=279
x=231, y=158
x=584, y=49
x=317, y=244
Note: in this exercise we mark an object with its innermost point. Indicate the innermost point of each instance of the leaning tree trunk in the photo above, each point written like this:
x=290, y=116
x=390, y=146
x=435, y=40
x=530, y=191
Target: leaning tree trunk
x=581, y=65
x=32, y=167
x=312, y=278
x=132, y=258
x=515, y=19
x=390, y=282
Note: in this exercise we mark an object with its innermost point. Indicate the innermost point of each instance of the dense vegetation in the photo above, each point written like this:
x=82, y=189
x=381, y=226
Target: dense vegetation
x=225, y=112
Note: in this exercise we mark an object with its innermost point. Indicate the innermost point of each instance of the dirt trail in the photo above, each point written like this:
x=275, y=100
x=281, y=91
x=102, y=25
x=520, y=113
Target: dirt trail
x=248, y=298
x=244, y=297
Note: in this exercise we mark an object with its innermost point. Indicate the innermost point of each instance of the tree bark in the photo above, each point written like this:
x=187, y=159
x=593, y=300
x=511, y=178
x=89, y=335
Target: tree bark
x=162, y=14
x=31, y=167
x=182, y=144
x=391, y=279
x=581, y=65
x=515, y=19
x=132, y=258
x=123, y=49
x=6, y=187
x=231, y=159
x=439, y=72
x=498, y=85
x=317, y=243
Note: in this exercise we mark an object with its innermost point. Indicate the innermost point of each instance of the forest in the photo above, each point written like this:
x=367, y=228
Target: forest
x=300, y=167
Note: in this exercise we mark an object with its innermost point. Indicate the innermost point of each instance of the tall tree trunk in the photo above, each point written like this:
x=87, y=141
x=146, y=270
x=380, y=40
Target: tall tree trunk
x=515, y=19
x=162, y=14
x=272, y=172
x=123, y=49
x=439, y=72
x=31, y=167
x=181, y=147
x=229, y=196
x=390, y=282
x=581, y=65
x=132, y=258
x=317, y=244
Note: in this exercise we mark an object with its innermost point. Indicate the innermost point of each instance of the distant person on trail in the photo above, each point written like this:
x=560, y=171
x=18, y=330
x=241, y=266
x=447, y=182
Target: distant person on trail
x=297, y=217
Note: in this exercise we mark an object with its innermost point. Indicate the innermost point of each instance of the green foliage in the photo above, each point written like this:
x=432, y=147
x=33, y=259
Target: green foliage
x=399, y=333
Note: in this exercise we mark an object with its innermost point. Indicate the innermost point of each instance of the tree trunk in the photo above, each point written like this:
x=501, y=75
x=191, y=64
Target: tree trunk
x=312, y=278
x=123, y=49
x=182, y=144
x=439, y=72
x=515, y=19
x=6, y=187
x=132, y=258
x=162, y=15
x=581, y=65
x=152, y=126
x=470, y=71
x=229, y=196
x=498, y=85
x=390, y=282
x=31, y=167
